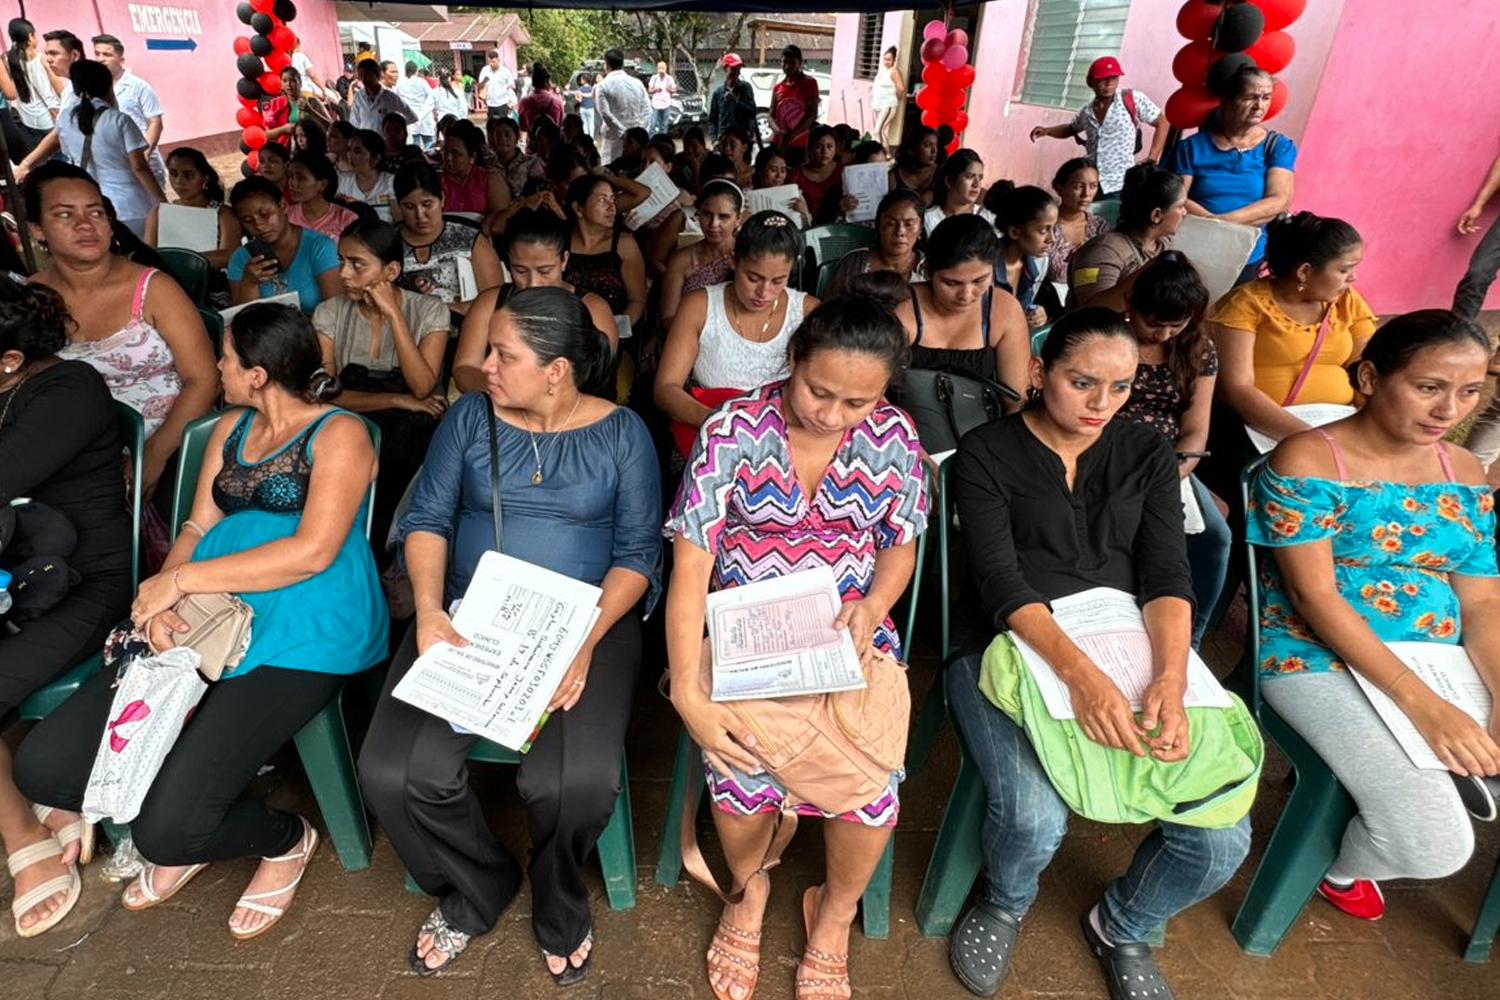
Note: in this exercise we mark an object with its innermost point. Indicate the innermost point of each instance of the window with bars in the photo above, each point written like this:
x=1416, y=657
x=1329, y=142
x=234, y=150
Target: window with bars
x=1063, y=38
x=867, y=55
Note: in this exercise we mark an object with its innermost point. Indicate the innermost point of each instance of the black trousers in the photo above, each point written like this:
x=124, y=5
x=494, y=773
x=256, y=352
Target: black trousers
x=60, y=639
x=194, y=811
x=416, y=782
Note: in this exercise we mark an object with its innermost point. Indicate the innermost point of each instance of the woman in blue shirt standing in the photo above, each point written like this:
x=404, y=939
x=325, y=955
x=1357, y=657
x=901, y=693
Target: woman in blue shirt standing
x=580, y=495
x=1234, y=167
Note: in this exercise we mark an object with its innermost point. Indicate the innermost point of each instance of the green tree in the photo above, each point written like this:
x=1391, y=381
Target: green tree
x=563, y=39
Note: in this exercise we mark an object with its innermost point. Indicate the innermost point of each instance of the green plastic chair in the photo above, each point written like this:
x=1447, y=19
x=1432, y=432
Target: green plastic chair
x=825, y=244
x=825, y=275
x=1038, y=338
x=213, y=322
x=934, y=709
x=189, y=269
x=616, y=845
x=323, y=744
x=1310, y=831
x=1108, y=210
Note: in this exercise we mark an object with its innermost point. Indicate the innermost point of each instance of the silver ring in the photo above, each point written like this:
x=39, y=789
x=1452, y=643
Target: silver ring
x=578, y=684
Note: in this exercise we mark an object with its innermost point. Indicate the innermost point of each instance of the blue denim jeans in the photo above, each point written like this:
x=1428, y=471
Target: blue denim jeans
x=1025, y=819
x=659, y=121
x=1208, y=559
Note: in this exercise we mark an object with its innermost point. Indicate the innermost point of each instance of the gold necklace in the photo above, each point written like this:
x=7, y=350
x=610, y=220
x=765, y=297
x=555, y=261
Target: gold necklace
x=539, y=454
x=733, y=298
x=12, y=392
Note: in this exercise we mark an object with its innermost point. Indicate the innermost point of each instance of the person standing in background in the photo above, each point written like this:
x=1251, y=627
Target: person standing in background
x=794, y=104
x=1109, y=126
x=622, y=104
x=663, y=87
x=62, y=49
x=542, y=102
x=30, y=86
x=497, y=85
x=733, y=104
x=417, y=94
x=584, y=95
x=1468, y=297
x=886, y=96
x=369, y=103
x=310, y=78
x=136, y=98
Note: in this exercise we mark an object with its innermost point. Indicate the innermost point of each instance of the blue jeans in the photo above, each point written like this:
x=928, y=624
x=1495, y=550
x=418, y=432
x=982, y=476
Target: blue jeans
x=659, y=121
x=1208, y=559
x=1468, y=297
x=1025, y=819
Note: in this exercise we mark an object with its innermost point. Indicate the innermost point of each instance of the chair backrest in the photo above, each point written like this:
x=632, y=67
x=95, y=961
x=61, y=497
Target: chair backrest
x=213, y=322
x=190, y=466
x=1106, y=209
x=831, y=243
x=825, y=275
x=1038, y=338
x=1252, y=589
x=133, y=433
x=190, y=269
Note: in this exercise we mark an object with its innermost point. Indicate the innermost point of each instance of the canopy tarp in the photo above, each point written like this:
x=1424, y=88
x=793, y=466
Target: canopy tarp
x=715, y=6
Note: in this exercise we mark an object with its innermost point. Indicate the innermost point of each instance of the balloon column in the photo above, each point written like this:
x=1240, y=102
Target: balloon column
x=261, y=58
x=1225, y=36
x=948, y=76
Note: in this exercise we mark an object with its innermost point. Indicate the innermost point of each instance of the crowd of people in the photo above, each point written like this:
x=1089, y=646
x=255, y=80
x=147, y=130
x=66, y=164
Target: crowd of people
x=554, y=351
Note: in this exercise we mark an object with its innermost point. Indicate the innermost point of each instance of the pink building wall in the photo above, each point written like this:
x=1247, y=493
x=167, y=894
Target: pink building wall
x=196, y=87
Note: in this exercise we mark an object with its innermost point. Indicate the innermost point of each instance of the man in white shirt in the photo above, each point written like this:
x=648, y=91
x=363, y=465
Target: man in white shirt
x=417, y=94
x=369, y=103
x=621, y=103
x=136, y=98
x=62, y=49
x=311, y=81
x=497, y=85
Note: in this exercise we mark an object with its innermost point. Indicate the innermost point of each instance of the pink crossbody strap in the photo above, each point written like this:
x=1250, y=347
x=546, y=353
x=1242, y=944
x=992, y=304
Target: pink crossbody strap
x=1312, y=358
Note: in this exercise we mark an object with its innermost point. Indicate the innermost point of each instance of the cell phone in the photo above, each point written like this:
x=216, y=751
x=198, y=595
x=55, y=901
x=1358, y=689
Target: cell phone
x=1183, y=456
x=262, y=248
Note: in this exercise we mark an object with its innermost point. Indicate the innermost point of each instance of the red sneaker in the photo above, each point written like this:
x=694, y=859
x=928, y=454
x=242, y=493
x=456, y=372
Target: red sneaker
x=1362, y=899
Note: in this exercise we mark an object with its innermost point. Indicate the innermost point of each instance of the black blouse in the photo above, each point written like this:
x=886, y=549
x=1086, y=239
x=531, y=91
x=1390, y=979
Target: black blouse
x=1029, y=539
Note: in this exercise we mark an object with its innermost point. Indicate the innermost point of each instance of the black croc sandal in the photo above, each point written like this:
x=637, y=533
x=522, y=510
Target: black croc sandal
x=1128, y=968
x=980, y=947
x=1478, y=795
x=445, y=938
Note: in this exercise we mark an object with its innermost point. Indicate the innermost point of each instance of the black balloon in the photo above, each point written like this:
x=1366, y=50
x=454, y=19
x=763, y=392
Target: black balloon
x=249, y=89
x=1221, y=73
x=261, y=45
x=244, y=147
x=244, y=12
x=285, y=9
x=250, y=65
x=245, y=170
x=263, y=23
x=1239, y=27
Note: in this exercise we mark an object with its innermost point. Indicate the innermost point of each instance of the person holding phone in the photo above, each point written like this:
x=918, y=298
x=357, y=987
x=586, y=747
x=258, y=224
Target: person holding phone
x=280, y=257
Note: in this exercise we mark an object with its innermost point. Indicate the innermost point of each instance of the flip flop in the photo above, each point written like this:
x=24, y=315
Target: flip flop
x=147, y=896
x=445, y=938
x=571, y=974
x=77, y=830
x=23, y=904
x=251, y=900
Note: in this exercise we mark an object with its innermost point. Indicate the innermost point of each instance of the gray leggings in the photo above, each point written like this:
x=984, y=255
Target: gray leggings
x=1411, y=823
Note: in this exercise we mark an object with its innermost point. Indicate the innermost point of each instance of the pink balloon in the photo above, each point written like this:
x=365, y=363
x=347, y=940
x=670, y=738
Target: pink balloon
x=933, y=50
x=955, y=56
x=934, y=29
x=957, y=36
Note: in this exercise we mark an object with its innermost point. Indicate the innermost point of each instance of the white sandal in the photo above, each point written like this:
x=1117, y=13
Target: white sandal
x=77, y=830
x=69, y=883
x=250, y=900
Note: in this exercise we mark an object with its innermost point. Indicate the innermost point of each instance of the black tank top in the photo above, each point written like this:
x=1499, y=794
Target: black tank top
x=972, y=360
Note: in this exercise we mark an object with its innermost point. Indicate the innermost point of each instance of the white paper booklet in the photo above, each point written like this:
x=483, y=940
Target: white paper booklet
x=1446, y=669
x=775, y=639
x=868, y=182
x=524, y=625
x=663, y=193
x=775, y=199
x=187, y=228
x=285, y=298
x=1312, y=414
x=1107, y=625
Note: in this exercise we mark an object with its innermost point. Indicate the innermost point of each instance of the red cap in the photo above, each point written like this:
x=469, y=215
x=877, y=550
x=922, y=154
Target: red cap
x=1105, y=67
x=731, y=59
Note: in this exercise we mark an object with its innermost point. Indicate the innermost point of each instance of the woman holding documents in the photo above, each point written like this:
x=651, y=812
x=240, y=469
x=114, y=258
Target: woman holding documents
x=578, y=495
x=1383, y=533
x=816, y=471
x=1057, y=500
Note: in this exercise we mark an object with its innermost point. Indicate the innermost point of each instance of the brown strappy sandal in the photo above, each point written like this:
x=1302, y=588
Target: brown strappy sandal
x=833, y=969
x=741, y=971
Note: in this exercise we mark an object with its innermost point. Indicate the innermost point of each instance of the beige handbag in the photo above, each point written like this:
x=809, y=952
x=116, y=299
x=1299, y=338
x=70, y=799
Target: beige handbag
x=218, y=630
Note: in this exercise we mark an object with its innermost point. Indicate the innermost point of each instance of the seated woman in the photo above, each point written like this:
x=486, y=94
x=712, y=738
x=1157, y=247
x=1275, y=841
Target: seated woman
x=196, y=184
x=957, y=320
x=1016, y=481
x=277, y=520
x=434, y=249
x=365, y=180
x=821, y=178
x=720, y=210
x=734, y=145
x=771, y=171
x=1286, y=339
x=1077, y=184
x=515, y=166
x=722, y=342
x=398, y=152
x=580, y=496
x=817, y=470
x=59, y=445
x=898, y=227
x=311, y=185
x=1173, y=392
x=602, y=259
x=468, y=185
x=272, y=161
x=1337, y=591
x=1026, y=218
x=133, y=324
x=917, y=162
x=958, y=190
x=536, y=254
x=280, y=257
x=386, y=345
x=340, y=137
x=1153, y=204
x=1236, y=169
x=657, y=236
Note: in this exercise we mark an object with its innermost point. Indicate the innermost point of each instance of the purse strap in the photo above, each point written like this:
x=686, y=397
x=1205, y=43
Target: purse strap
x=495, y=511
x=692, y=856
x=1312, y=357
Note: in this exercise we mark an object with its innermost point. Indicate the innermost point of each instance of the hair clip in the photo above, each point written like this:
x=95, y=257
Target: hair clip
x=775, y=220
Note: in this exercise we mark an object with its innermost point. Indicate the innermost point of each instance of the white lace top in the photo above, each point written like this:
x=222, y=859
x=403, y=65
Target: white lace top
x=728, y=361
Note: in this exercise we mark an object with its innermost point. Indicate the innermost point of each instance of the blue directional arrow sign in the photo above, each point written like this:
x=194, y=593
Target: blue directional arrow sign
x=172, y=44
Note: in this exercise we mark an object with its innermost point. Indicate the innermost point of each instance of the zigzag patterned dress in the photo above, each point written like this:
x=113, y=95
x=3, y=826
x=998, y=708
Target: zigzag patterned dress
x=740, y=500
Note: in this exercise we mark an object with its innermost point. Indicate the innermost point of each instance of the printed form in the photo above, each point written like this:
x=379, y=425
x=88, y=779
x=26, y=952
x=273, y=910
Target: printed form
x=1449, y=672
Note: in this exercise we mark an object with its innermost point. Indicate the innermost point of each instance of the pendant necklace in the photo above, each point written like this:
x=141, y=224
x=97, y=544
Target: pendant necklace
x=539, y=454
x=738, y=318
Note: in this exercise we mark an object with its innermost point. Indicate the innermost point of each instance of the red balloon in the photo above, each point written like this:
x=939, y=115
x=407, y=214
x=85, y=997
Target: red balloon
x=1196, y=19
x=241, y=45
x=1280, y=13
x=932, y=50
x=954, y=146
x=254, y=136
x=1273, y=51
x=277, y=61
x=930, y=119
x=934, y=74
x=282, y=38
x=1190, y=106
x=262, y=6
x=964, y=76
x=246, y=102
x=270, y=83
x=247, y=117
x=1190, y=65
x=957, y=36
x=253, y=159
x=1279, y=95
x=959, y=121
